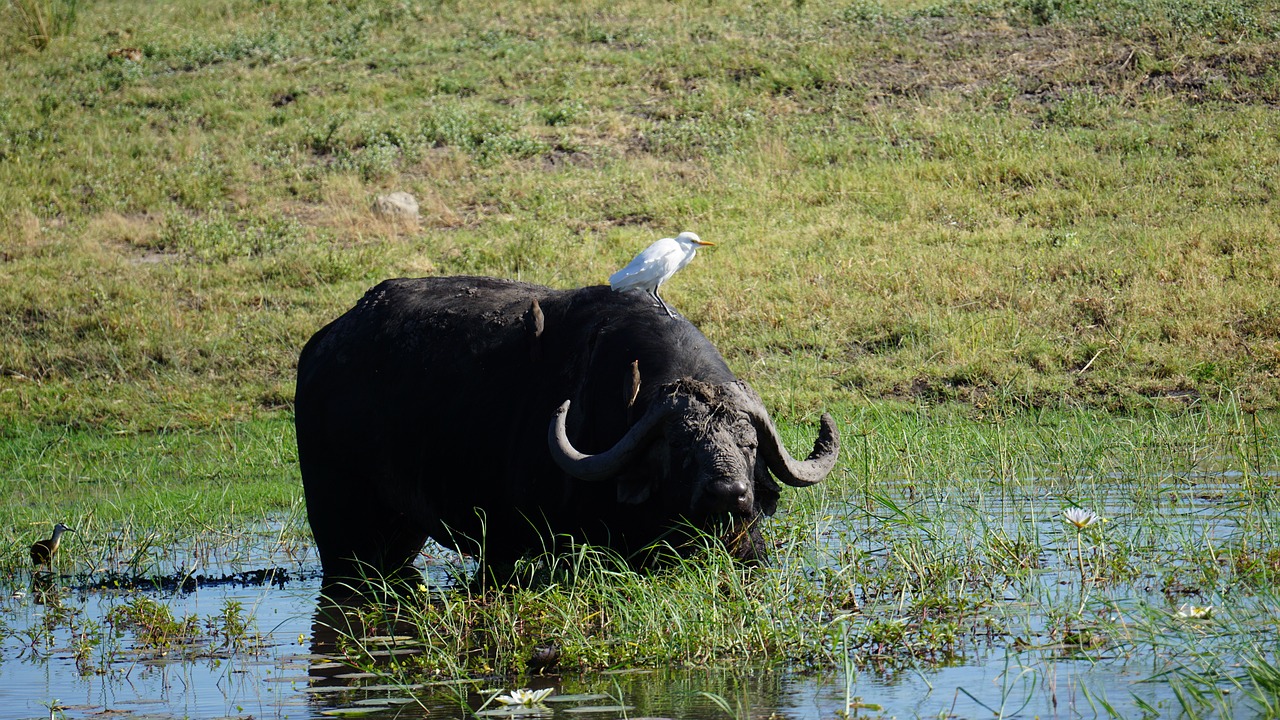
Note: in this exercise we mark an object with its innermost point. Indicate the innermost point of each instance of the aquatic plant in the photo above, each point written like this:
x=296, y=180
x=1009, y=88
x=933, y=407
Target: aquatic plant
x=152, y=623
x=524, y=697
x=1193, y=612
x=234, y=629
x=1080, y=518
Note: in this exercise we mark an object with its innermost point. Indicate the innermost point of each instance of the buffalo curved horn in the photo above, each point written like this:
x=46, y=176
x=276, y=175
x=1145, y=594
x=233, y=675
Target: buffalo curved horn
x=796, y=473
x=605, y=465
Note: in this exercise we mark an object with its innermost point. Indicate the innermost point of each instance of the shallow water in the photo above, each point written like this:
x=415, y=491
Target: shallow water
x=276, y=584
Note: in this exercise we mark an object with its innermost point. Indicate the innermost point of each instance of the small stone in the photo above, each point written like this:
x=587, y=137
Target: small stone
x=396, y=206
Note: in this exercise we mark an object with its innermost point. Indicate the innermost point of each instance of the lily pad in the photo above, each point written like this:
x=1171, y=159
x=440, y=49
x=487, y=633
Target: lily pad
x=600, y=709
x=526, y=711
x=457, y=681
x=355, y=711
x=386, y=639
x=398, y=688
x=396, y=651
x=580, y=697
x=327, y=689
x=384, y=701
x=305, y=657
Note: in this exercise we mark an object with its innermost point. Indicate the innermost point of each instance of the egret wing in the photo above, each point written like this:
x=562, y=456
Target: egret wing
x=652, y=266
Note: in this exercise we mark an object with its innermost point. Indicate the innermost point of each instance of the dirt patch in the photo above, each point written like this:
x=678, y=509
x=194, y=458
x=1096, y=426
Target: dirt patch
x=1042, y=63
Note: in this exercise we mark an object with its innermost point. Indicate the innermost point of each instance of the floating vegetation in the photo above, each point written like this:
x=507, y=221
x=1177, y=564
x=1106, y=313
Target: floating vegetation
x=577, y=697
x=189, y=582
x=355, y=711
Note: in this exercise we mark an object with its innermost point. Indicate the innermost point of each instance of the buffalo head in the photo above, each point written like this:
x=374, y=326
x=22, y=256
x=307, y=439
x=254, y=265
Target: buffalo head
x=704, y=453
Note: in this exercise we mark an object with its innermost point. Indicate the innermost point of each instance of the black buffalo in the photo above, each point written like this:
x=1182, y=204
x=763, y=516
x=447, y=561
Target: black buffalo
x=467, y=409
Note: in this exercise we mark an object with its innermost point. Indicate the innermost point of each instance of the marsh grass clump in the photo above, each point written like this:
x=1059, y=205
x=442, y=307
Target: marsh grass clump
x=36, y=23
x=589, y=609
x=234, y=629
x=101, y=645
x=153, y=624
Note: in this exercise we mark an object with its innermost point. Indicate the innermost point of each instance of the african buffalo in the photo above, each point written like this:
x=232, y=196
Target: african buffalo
x=465, y=409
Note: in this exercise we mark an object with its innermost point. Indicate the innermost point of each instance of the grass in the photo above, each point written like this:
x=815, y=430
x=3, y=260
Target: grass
x=137, y=626
x=137, y=501
x=1044, y=204
x=967, y=548
x=939, y=540
x=36, y=23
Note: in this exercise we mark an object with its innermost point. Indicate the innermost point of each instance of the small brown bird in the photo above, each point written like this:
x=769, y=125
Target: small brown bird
x=42, y=550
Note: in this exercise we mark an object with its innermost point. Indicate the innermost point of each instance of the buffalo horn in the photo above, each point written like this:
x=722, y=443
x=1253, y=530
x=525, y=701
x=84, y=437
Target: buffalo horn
x=607, y=464
x=796, y=473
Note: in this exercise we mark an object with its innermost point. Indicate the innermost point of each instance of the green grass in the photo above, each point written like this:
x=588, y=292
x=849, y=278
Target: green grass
x=136, y=500
x=938, y=539
x=943, y=536
x=1034, y=203
x=36, y=23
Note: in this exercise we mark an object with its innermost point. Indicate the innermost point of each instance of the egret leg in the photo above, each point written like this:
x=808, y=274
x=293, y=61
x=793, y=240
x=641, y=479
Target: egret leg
x=663, y=303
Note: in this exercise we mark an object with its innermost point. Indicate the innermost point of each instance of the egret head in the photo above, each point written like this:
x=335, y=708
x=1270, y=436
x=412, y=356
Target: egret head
x=688, y=238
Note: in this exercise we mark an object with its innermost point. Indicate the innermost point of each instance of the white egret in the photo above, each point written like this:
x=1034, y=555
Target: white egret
x=656, y=264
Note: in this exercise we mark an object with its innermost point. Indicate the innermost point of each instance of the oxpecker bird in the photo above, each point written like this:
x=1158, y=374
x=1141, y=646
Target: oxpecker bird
x=656, y=264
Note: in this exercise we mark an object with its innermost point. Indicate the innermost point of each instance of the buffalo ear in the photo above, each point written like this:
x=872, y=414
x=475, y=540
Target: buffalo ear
x=633, y=489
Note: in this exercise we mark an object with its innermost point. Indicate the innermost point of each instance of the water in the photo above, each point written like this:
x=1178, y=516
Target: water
x=282, y=682
x=276, y=586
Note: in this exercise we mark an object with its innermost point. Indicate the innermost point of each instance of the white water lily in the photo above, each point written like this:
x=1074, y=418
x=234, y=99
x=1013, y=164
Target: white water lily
x=1080, y=517
x=1191, y=612
x=525, y=697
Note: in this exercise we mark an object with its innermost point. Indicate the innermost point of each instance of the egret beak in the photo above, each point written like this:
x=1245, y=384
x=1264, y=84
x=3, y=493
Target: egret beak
x=703, y=242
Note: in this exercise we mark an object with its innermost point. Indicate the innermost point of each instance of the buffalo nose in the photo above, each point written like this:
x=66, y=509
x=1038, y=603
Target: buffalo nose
x=738, y=498
x=728, y=495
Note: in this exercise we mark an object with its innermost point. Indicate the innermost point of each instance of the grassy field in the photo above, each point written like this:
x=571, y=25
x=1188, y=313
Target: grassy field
x=1015, y=203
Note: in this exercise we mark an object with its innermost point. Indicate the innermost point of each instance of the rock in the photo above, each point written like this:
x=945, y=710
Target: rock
x=396, y=206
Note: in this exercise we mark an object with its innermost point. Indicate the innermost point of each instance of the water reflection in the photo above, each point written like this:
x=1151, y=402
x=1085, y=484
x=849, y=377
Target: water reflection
x=43, y=589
